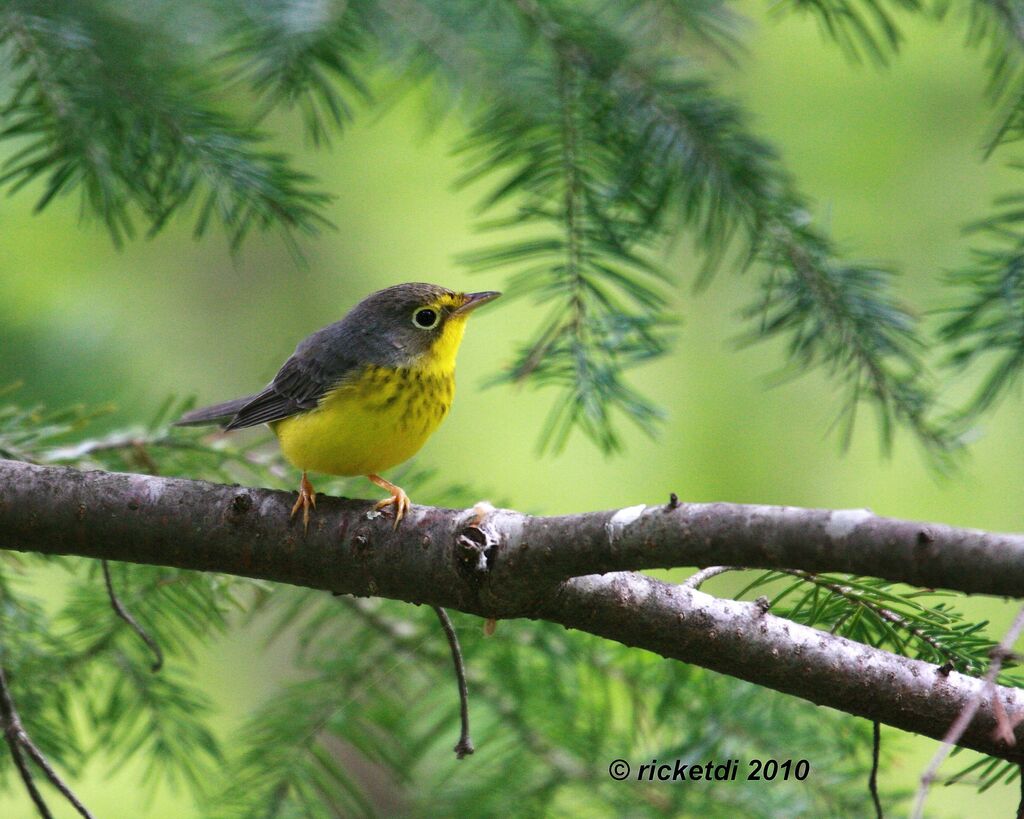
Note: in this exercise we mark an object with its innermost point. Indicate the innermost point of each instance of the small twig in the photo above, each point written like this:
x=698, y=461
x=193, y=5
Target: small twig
x=125, y=615
x=1020, y=777
x=464, y=747
x=12, y=730
x=956, y=730
x=19, y=741
x=695, y=581
x=876, y=747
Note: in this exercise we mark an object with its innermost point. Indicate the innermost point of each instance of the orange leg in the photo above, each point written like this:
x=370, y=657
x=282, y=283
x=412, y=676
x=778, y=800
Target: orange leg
x=398, y=498
x=306, y=499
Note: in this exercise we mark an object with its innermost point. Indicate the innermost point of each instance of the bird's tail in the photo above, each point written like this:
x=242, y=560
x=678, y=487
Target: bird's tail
x=213, y=414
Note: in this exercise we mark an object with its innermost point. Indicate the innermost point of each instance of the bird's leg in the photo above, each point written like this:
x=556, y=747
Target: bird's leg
x=306, y=499
x=398, y=498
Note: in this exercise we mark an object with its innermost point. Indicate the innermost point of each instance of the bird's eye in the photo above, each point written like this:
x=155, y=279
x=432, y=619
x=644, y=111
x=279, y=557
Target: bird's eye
x=425, y=318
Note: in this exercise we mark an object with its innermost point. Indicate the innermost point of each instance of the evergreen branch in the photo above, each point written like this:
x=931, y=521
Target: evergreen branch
x=840, y=316
x=544, y=699
x=988, y=320
x=89, y=109
x=210, y=528
x=292, y=56
x=669, y=149
x=610, y=314
x=860, y=27
x=869, y=611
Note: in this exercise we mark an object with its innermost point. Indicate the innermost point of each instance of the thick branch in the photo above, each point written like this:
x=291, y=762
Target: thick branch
x=513, y=565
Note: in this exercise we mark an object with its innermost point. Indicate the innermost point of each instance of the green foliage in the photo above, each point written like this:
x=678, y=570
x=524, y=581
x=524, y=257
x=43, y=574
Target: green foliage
x=918, y=624
x=288, y=62
x=598, y=128
x=988, y=314
x=132, y=127
x=862, y=28
x=989, y=321
x=551, y=709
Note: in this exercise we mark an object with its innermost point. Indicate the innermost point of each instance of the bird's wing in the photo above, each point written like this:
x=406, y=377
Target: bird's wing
x=299, y=385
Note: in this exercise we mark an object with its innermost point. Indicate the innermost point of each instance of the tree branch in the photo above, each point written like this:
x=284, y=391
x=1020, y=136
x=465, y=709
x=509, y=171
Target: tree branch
x=512, y=565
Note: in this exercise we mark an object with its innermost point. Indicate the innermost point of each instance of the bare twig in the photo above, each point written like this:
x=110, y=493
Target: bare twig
x=959, y=726
x=698, y=579
x=876, y=748
x=464, y=747
x=12, y=736
x=19, y=742
x=124, y=614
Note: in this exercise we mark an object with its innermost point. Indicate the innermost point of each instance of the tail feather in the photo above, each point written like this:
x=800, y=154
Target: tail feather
x=213, y=414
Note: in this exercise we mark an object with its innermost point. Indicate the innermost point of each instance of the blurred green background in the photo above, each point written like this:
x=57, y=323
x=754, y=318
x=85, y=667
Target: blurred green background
x=893, y=157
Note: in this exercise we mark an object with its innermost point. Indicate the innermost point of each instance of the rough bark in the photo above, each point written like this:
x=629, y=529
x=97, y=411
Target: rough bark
x=513, y=565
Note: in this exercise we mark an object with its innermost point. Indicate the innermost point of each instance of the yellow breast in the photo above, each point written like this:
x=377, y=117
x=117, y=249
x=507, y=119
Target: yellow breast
x=377, y=420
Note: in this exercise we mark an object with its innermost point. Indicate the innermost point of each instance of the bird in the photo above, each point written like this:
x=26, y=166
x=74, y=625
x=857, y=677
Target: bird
x=363, y=394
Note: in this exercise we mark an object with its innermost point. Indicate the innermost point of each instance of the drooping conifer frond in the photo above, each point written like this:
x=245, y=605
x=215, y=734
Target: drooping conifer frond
x=102, y=103
x=987, y=325
x=602, y=136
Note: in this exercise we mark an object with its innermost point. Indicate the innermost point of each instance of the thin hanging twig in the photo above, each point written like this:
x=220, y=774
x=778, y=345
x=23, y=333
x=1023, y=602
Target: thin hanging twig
x=464, y=747
x=11, y=729
x=20, y=744
x=125, y=615
x=876, y=747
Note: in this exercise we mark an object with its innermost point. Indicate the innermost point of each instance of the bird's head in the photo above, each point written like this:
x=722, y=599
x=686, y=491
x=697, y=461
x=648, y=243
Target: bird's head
x=417, y=325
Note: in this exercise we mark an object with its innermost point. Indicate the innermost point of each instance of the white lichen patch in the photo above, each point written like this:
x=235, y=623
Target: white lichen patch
x=843, y=521
x=621, y=519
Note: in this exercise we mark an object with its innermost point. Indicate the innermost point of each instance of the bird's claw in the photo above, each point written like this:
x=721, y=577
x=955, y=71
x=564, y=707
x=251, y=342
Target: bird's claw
x=399, y=500
x=305, y=501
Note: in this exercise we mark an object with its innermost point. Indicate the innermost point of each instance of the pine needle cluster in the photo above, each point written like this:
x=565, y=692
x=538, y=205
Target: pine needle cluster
x=598, y=131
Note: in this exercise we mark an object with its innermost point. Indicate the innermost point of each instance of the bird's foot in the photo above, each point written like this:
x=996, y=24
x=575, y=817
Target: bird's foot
x=398, y=498
x=305, y=501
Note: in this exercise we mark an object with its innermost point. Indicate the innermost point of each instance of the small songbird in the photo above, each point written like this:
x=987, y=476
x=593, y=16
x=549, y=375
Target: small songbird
x=363, y=394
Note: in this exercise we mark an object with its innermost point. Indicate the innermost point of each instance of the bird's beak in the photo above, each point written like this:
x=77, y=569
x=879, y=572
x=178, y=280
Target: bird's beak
x=474, y=300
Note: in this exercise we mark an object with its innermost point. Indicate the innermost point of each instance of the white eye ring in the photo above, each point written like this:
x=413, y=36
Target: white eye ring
x=425, y=318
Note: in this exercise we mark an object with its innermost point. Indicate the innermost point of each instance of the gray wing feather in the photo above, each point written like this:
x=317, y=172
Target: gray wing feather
x=320, y=363
x=215, y=414
x=312, y=372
